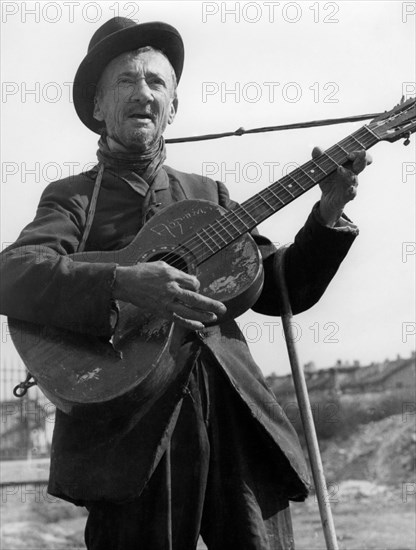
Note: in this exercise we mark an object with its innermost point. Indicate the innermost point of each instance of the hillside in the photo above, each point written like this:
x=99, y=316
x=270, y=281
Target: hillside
x=383, y=452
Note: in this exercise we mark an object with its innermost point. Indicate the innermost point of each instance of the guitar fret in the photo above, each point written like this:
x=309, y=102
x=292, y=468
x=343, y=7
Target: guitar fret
x=358, y=141
x=286, y=188
x=342, y=148
x=204, y=242
x=290, y=185
x=265, y=200
x=212, y=239
x=218, y=233
x=231, y=221
x=273, y=197
x=239, y=217
x=318, y=167
x=276, y=196
x=371, y=132
x=306, y=174
x=296, y=181
x=225, y=229
x=248, y=214
x=330, y=158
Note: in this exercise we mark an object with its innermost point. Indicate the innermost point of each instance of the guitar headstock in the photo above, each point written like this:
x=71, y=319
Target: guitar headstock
x=398, y=123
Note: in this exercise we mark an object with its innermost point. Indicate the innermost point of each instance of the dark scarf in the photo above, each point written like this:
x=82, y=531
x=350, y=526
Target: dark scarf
x=146, y=165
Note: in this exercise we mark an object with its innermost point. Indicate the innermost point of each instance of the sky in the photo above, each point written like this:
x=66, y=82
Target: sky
x=248, y=64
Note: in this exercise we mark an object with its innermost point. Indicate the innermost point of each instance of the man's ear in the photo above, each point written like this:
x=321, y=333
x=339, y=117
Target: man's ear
x=97, y=114
x=173, y=110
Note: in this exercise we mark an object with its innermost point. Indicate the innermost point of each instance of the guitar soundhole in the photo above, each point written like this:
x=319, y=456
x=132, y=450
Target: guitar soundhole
x=171, y=258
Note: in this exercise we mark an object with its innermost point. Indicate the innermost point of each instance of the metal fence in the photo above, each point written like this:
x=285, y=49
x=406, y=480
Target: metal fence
x=26, y=423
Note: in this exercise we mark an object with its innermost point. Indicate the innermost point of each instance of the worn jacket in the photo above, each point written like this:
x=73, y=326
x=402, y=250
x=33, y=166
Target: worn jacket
x=113, y=461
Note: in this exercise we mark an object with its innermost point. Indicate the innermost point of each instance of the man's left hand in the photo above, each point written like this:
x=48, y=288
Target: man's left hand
x=341, y=186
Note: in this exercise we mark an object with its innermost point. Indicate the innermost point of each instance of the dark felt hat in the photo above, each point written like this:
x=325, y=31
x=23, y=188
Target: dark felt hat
x=116, y=36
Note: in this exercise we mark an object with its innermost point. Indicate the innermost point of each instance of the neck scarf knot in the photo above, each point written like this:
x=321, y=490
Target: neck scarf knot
x=146, y=165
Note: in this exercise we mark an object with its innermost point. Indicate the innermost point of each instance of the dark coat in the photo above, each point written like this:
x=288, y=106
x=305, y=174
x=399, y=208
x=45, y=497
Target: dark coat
x=113, y=461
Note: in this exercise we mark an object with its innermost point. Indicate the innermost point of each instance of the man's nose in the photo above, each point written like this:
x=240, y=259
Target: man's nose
x=141, y=91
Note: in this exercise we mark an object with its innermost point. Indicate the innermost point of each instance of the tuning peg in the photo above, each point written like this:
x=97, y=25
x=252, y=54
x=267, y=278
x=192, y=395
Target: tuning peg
x=407, y=140
x=402, y=100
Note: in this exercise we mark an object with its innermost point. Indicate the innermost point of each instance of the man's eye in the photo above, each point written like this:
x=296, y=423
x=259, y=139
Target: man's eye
x=155, y=82
x=124, y=81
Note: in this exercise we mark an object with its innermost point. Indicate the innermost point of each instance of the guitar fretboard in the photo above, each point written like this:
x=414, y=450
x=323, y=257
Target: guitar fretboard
x=243, y=218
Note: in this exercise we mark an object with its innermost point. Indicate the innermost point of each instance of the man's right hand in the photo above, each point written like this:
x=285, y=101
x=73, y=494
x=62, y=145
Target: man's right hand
x=163, y=290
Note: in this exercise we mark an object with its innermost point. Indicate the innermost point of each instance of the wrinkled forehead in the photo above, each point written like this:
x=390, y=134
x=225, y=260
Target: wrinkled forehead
x=138, y=62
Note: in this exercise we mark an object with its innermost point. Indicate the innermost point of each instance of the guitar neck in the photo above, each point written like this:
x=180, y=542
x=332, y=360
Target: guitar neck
x=270, y=200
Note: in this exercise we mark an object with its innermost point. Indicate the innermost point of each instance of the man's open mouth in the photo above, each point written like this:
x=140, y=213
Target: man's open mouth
x=141, y=116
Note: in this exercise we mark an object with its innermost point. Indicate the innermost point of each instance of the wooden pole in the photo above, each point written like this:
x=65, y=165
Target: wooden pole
x=306, y=413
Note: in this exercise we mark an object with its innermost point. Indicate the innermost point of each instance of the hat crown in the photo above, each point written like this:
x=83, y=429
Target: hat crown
x=110, y=27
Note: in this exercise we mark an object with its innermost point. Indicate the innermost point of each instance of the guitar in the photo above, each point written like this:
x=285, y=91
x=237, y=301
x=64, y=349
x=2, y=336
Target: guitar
x=83, y=375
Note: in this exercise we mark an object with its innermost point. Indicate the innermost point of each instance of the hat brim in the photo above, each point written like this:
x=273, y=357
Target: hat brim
x=158, y=35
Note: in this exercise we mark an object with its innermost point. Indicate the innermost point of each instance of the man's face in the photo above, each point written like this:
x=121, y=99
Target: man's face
x=136, y=99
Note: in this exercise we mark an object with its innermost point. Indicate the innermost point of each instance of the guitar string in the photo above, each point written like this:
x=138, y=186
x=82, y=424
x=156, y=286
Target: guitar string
x=196, y=245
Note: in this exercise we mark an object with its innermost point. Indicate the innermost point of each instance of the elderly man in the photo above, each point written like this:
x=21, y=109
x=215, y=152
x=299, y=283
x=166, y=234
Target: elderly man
x=216, y=456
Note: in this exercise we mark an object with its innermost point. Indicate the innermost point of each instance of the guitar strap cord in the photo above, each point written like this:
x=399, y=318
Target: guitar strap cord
x=91, y=209
x=241, y=131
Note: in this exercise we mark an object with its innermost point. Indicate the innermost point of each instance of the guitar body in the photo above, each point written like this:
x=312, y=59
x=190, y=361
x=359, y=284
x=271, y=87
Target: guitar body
x=83, y=374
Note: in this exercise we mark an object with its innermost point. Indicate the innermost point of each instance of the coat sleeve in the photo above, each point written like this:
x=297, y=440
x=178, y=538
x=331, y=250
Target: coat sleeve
x=40, y=283
x=310, y=262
